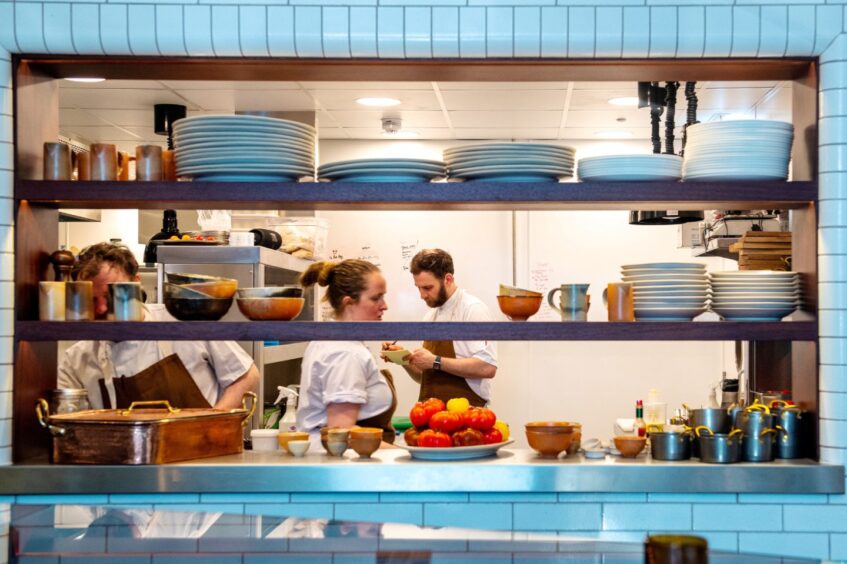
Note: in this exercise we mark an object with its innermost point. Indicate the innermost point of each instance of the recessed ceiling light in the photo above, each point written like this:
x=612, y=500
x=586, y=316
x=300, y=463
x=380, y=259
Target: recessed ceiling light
x=85, y=79
x=624, y=101
x=404, y=134
x=613, y=134
x=378, y=102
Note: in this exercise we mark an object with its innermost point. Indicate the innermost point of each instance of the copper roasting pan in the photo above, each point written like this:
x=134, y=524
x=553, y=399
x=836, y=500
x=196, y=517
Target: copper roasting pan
x=142, y=435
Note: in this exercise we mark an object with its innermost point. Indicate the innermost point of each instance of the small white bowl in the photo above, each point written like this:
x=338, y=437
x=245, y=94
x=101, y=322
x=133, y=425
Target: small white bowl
x=264, y=439
x=298, y=448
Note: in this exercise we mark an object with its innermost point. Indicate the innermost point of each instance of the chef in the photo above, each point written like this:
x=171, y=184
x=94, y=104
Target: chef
x=449, y=369
x=186, y=373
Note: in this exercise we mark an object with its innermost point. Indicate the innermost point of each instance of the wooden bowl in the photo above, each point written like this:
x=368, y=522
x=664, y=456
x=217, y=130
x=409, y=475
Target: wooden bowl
x=519, y=308
x=630, y=445
x=548, y=444
x=285, y=437
x=270, y=309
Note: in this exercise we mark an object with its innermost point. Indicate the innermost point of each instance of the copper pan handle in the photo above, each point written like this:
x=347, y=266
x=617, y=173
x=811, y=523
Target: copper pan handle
x=253, y=399
x=159, y=403
x=42, y=411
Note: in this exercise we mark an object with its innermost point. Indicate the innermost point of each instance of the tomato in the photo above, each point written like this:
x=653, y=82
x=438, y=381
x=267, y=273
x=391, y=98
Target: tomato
x=467, y=437
x=492, y=436
x=446, y=421
x=480, y=418
x=433, y=439
x=419, y=416
x=425, y=437
x=411, y=436
x=435, y=402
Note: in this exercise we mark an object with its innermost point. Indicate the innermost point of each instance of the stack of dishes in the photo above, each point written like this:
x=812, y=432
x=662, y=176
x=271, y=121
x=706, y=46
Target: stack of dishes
x=510, y=162
x=738, y=150
x=668, y=291
x=244, y=149
x=617, y=168
x=755, y=295
x=382, y=170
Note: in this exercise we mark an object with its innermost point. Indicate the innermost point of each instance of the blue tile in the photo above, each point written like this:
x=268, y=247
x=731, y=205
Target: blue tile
x=384, y=512
x=609, y=34
x=523, y=546
x=718, y=541
x=833, y=433
x=832, y=350
x=389, y=32
x=801, y=31
x=833, y=103
x=663, y=31
x=154, y=498
x=229, y=508
x=554, y=40
x=472, y=32
x=198, y=35
x=29, y=31
x=418, y=32
x=837, y=499
x=57, y=28
x=304, y=510
x=834, y=455
x=837, y=50
x=244, y=498
x=445, y=32
x=363, y=32
x=558, y=517
x=660, y=516
x=169, y=30
x=142, y=30
x=423, y=545
x=819, y=518
x=225, y=41
x=838, y=547
x=833, y=213
x=498, y=32
x=803, y=545
x=783, y=498
x=70, y=541
x=253, y=30
x=831, y=404
x=511, y=497
x=833, y=75
x=334, y=498
x=308, y=31
x=745, y=31
x=833, y=158
x=206, y=559
x=832, y=130
x=691, y=31
x=774, y=31
x=528, y=31
x=62, y=499
x=281, y=31
x=125, y=543
x=594, y=497
x=828, y=24
x=636, y=32
x=581, y=32
x=421, y=497
x=727, y=517
x=296, y=558
x=7, y=29
x=718, y=31
x=103, y=559
x=473, y=515
x=85, y=26
x=691, y=498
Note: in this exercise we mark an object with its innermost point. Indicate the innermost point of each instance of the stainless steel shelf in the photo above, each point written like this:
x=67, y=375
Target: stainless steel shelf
x=194, y=254
x=281, y=353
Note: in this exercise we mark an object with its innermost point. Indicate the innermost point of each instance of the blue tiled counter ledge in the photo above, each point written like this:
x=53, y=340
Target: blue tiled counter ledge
x=392, y=470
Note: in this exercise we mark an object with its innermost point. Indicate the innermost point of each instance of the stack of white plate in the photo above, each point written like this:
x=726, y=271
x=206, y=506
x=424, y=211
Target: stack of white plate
x=738, y=150
x=383, y=170
x=617, y=168
x=668, y=291
x=244, y=149
x=510, y=162
x=755, y=295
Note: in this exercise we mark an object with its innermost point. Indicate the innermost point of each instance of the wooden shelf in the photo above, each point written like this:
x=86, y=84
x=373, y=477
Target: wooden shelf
x=420, y=196
x=416, y=331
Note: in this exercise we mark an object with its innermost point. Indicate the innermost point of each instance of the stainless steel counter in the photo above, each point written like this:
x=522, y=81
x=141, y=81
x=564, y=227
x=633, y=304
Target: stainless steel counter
x=392, y=470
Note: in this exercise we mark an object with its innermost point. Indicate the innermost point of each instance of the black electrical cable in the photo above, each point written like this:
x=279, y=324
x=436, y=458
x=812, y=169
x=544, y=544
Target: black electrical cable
x=690, y=112
x=670, y=102
x=655, y=116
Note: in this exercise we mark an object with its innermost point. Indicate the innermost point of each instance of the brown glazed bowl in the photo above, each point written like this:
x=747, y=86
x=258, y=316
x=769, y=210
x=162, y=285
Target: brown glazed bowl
x=290, y=291
x=284, y=437
x=548, y=444
x=519, y=308
x=222, y=289
x=182, y=278
x=270, y=309
x=208, y=309
x=551, y=426
x=630, y=445
x=577, y=439
x=365, y=440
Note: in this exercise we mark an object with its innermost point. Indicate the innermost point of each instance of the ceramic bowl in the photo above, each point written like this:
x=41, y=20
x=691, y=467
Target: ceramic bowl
x=182, y=292
x=181, y=278
x=208, y=309
x=519, y=308
x=271, y=292
x=297, y=447
x=512, y=291
x=221, y=289
x=577, y=439
x=548, y=444
x=285, y=437
x=551, y=426
x=270, y=309
x=365, y=446
x=630, y=446
x=336, y=448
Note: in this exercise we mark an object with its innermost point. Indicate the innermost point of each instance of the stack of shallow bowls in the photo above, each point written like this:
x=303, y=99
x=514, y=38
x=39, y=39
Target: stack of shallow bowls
x=738, y=150
x=667, y=291
x=271, y=303
x=244, y=148
x=197, y=297
x=755, y=295
x=383, y=170
x=510, y=162
x=549, y=438
x=617, y=168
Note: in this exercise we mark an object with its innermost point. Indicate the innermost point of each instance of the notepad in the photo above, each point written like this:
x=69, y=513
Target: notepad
x=397, y=356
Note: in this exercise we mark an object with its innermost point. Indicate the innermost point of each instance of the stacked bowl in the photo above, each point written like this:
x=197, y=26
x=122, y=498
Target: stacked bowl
x=383, y=170
x=755, y=295
x=667, y=291
x=738, y=150
x=549, y=438
x=198, y=297
x=243, y=148
x=271, y=303
x=510, y=162
x=622, y=168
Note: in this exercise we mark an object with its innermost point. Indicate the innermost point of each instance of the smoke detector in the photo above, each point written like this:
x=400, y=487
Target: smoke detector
x=391, y=125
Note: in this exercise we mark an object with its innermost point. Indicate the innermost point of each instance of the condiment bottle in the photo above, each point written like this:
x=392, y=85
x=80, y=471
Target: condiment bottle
x=169, y=229
x=640, y=427
x=63, y=262
x=655, y=411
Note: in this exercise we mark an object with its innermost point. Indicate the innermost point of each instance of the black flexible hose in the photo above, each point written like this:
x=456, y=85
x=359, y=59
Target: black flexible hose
x=690, y=112
x=655, y=115
x=670, y=102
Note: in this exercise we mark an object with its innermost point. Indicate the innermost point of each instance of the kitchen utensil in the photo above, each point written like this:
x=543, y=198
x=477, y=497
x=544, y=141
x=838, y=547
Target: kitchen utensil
x=266, y=238
x=754, y=419
x=201, y=309
x=516, y=292
x=670, y=446
x=145, y=433
x=454, y=453
x=549, y=438
x=716, y=419
x=271, y=292
x=83, y=165
x=125, y=302
x=630, y=446
x=264, y=439
x=68, y=400
x=51, y=301
x=769, y=396
x=759, y=448
x=284, y=438
x=79, y=300
x=365, y=440
x=148, y=163
x=123, y=165
x=298, y=448
x=789, y=424
x=519, y=308
x=104, y=161
x=168, y=165
x=573, y=301
x=270, y=309
x=719, y=448
x=57, y=161
x=618, y=297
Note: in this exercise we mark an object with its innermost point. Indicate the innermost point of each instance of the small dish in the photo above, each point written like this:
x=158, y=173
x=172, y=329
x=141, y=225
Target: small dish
x=595, y=453
x=298, y=447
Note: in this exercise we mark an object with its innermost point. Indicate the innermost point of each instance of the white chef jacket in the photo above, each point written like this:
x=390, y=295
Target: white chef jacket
x=214, y=365
x=339, y=372
x=462, y=306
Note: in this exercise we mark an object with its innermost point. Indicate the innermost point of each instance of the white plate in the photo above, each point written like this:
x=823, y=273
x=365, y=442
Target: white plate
x=628, y=177
x=664, y=272
x=228, y=159
x=668, y=313
x=666, y=265
x=782, y=294
x=248, y=120
x=246, y=152
x=382, y=163
x=753, y=313
x=556, y=170
x=755, y=273
x=670, y=283
x=511, y=161
x=653, y=294
x=664, y=276
x=455, y=453
x=729, y=177
x=516, y=147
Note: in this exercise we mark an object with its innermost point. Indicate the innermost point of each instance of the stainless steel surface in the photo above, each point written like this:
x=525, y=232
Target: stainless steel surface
x=790, y=423
x=69, y=216
x=758, y=448
x=392, y=470
x=670, y=446
x=720, y=449
x=716, y=419
x=231, y=255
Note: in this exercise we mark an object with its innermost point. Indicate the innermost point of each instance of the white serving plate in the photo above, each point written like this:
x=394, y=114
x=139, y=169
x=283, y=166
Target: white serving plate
x=666, y=265
x=665, y=276
x=629, y=177
x=455, y=453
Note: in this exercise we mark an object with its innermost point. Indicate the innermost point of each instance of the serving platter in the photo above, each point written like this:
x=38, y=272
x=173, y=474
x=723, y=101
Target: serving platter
x=455, y=453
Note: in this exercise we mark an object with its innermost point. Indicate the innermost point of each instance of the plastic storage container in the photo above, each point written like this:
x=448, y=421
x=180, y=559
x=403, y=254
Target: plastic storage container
x=303, y=237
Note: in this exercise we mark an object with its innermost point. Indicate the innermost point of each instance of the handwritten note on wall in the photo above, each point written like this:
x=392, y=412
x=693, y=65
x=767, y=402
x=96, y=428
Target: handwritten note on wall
x=540, y=276
x=408, y=250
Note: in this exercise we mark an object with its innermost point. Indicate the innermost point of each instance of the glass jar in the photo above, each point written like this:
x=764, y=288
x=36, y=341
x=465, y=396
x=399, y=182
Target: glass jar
x=68, y=401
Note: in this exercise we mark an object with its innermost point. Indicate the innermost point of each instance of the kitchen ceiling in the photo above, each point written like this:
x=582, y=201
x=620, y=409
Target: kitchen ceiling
x=121, y=111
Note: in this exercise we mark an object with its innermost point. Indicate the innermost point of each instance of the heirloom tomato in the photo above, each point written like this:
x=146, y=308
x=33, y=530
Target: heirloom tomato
x=419, y=415
x=437, y=403
x=458, y=405
x=411, y=436
x=480, y=418
x=492, y=436
x=446, y=421
x=433, y=439
x=467, y=437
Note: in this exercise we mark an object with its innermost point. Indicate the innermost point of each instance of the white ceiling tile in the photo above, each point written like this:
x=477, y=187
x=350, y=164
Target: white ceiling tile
x=327, y=85
x=525, y=119
x=138, y=118
x=476, y=86
x=117, y=99
x=376, y=133
x=777, y=105
x=243, y=100
x=730, y=99
x=611, y=85
x=332, y=133
x=346, y=99
x=599, y=99
x=230, y=85
x=609, y=118
x=76, y=117
x=103, y=133
x=505, y=133
x=113, y=84
x=504, y=99
x=368, y=119
x=591, y=133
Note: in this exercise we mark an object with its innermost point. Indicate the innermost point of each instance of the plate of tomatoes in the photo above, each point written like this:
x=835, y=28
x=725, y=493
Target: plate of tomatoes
x=453, y=431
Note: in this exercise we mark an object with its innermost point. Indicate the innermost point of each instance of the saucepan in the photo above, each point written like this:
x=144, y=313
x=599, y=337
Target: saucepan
x=719, y=448
x=670, y=446
x=789, y=424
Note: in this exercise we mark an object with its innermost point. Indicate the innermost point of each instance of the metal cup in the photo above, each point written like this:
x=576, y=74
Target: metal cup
x=573, y=301
x=79, y=300
x=51, y=301
x=148, y=163
x=57, y=161
x=125, y=302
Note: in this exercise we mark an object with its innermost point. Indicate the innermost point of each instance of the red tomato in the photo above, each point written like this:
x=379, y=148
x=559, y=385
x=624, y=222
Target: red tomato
x=481, y=419
x=441, y=440
x=433, y=439
x=419, y=415
x=411, y=436
x=425, y=438
x=492, y=436
x=446, y=421
x=435, y=402
x=467, y=437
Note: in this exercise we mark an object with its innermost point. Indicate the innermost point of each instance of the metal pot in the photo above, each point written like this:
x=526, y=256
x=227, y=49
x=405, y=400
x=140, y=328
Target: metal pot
x=753, y=423
x=670, y=446
x=715, y=419
x=789, y=426
x=719, y=448
x=759, y=448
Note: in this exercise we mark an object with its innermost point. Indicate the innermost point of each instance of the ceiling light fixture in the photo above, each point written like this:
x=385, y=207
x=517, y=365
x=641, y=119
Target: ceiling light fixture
x=378, y=102
x=624, y=101
x=85, y=79
x=613, y=134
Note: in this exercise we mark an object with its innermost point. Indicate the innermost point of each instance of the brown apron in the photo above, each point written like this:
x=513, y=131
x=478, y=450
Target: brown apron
x=443, y=385
x=383, y=420
x=168, y=380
